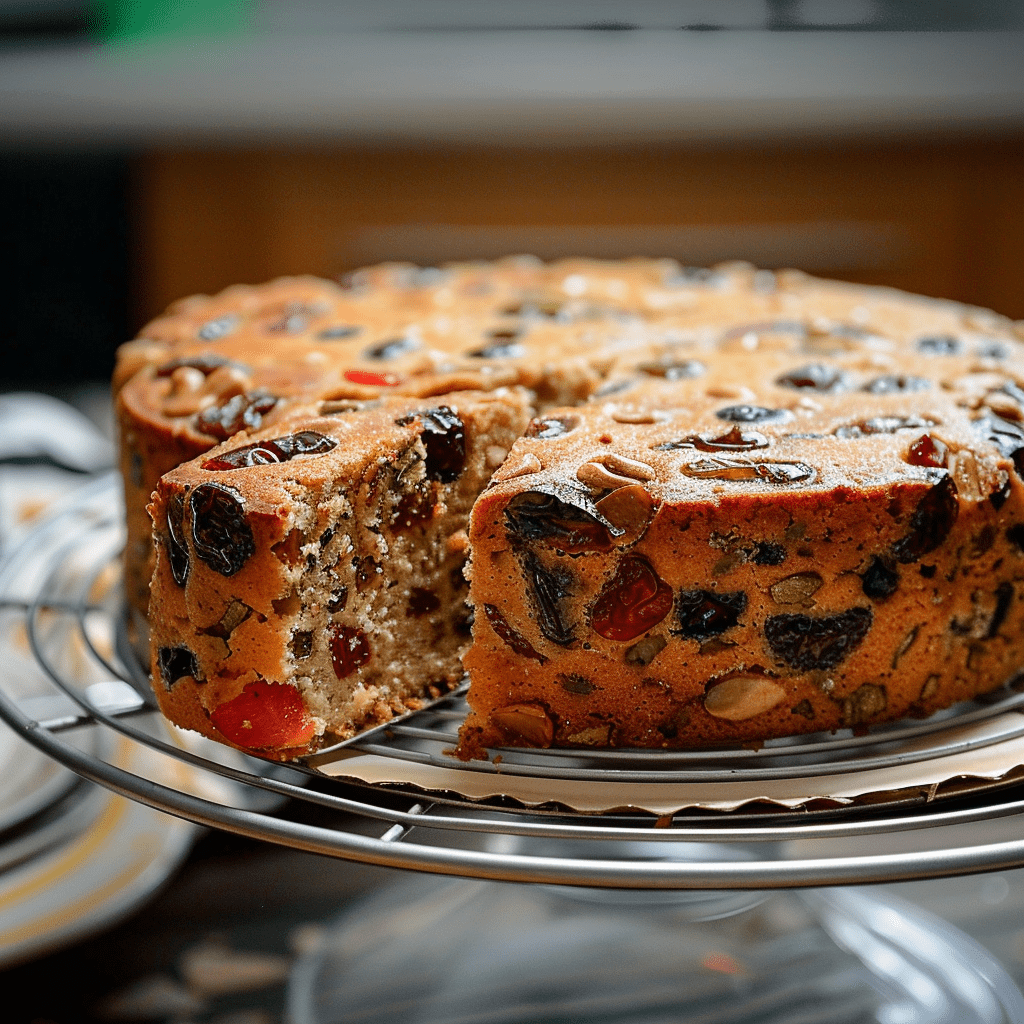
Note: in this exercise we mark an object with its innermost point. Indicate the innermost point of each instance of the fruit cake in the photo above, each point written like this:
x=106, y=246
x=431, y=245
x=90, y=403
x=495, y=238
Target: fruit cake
x=308, y=577
x=751, y=504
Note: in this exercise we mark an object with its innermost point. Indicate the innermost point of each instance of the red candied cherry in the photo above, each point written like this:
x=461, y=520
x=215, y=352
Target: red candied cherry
x=265, y=716
x=379, y=380
x=633, y=601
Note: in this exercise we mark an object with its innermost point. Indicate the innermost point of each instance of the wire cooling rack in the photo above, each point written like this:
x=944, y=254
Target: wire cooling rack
x=61, y=606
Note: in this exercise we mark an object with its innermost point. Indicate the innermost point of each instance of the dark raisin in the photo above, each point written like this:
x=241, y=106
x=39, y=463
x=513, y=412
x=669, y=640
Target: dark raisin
x=803, y=709
x=175, y=663
x=804, y=643
x=550, y=589
x=502, y=345
x=338, y=600
x=931, y=522
x=534, y=516
x=422, y=601
x=242, y=412
x=367, y=570
x=412, y=510
x=301, y=644
x=633, y=601
x=1004, y=598
x=221, y=536
x=1015, y=535
x=721, y=468
x=177, y=551
x=815, y=377
x=928, y=451
x=573, y=683
x=1006, y=436
x=267, y=453
x=551, y=426
x=892, y=383
x=939, y=345
x=214, y=330
x=733, y=440
x=391, y=349
x=510, y=636
x=682, y=369
x=703, y=614
x=882, y=425
x=204, y=363
x=766, y=553
x=753, y=414
x=928, y=571
x=444, y=437
x=338, y=332
x=349, y=649
x=880, y=579
x=615, y=387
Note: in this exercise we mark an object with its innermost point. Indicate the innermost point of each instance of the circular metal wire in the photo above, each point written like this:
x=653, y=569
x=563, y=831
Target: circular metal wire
x=50, y=590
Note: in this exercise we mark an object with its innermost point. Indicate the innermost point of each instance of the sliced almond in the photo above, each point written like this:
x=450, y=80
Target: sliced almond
x=742, y=697
x=524, y=465
x=611, y=471
x=796, y=589
x=529, y=722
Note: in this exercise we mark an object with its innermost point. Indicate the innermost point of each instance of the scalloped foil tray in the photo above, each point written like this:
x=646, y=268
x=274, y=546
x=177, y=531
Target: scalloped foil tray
x=924, y=777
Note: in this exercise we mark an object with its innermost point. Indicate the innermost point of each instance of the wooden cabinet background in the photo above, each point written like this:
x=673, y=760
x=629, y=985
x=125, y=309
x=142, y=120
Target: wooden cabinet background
x=944, y=219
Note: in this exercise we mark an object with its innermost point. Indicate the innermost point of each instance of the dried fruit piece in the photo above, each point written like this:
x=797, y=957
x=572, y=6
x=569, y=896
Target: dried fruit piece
x=552, y=426
x=444, y=437
x=573, y=683
x=721, y=468
x=1008, y=437
x=265, y=716
x=629, y=509
x=928, y=451
x=338, y=332
x=529, y=722
x=796, y=589
x=392, y=348
x=815, y=376
x=880, y=579
x=742, y=697
x=267, y=453
x=883, y=425
x=301, y=644
x=176, y=663
x=510, y=636
x=422, y=601
x=703, y=614
x=633, y=601
x=177, y=551
x=643, y=652
x=754, y=414
x=866, y=702
x=1015, y=535
x=672, y=369
x=550, y=588
x=349, y=649
x=939, y=345
x=804, y=709
x=221, y=327
x=221, y=536
x=894, y=383
x=734, y=440
x=242, y=412
x=767, y=553
x=338, y=600
x=371, y=379
x=931, y=523
x=804, y=643
x=234, y=615
x=535, y=516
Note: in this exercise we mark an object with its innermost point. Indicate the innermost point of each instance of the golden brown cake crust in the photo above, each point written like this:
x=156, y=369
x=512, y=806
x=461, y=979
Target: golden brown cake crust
x=805, y=495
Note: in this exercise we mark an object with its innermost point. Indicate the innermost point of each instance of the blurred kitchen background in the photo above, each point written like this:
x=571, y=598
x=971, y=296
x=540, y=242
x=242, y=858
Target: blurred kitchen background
x=150, y=150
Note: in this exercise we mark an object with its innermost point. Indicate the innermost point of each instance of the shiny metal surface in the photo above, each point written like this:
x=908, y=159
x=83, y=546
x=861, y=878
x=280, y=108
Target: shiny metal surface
x=50, y=594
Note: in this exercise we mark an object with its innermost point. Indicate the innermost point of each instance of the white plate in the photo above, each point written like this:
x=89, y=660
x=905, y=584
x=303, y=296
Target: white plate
x=101, y=873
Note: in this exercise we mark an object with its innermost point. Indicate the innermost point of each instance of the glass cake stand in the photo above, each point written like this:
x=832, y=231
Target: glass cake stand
x=648, y=904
